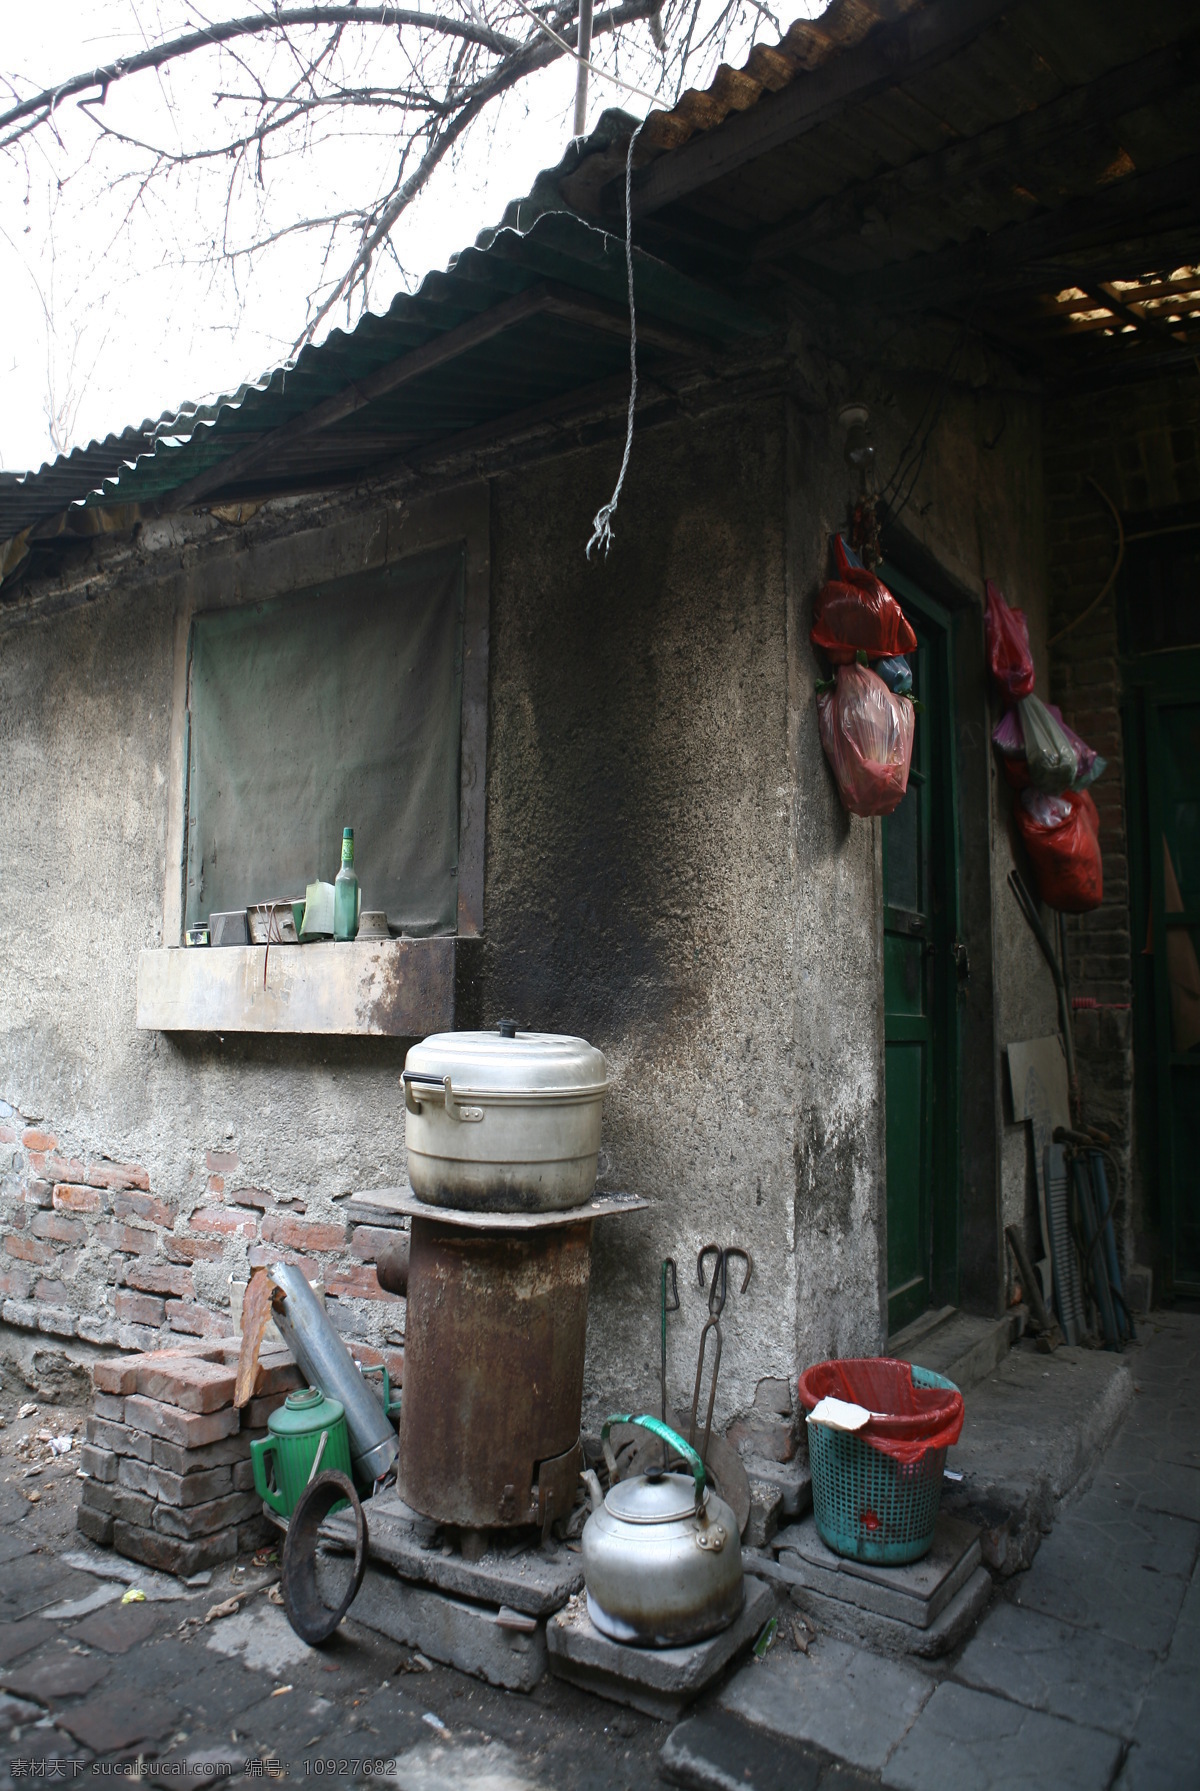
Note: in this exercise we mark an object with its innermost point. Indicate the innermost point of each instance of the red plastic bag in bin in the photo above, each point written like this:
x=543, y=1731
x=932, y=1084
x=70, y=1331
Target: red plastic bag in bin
x=1008, y=648
x=867, y=733
x=906, y=1421
x=856, y=613
x=1062, y=837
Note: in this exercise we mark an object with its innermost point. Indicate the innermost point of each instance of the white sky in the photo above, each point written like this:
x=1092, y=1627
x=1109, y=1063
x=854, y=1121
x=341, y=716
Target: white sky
x=115, y=308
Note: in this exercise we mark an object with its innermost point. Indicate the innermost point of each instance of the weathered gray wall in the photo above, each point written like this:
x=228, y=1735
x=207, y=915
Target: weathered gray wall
x=669, y=873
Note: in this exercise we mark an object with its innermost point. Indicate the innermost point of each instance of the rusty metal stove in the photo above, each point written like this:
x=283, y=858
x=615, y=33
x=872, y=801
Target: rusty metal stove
x=493, y=1361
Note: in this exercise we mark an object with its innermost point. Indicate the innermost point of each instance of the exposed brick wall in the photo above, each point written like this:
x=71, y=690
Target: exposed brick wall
x=1141, y=443
x=90, y=1250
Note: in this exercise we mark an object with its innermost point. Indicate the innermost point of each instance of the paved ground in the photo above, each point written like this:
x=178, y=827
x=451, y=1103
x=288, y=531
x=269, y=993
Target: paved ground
x=1084, y=1672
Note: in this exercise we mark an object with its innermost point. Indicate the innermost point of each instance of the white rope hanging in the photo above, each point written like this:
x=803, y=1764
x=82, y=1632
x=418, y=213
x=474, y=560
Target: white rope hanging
x=602, y=535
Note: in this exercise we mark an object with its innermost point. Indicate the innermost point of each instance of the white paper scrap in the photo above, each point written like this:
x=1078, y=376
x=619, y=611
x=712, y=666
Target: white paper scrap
x=839, y=1414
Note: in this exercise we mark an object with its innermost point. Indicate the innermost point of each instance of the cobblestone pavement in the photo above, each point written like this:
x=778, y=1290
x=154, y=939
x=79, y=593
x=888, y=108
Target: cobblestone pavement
x=1084, y=1674
x=87, y=1682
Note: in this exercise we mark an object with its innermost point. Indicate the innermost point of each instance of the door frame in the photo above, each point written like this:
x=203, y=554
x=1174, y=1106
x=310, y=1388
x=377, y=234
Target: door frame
x=946, y=1172
x=1154, y=681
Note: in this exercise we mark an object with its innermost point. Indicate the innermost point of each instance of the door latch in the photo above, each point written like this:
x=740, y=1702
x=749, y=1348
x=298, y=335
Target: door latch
x=962, y=963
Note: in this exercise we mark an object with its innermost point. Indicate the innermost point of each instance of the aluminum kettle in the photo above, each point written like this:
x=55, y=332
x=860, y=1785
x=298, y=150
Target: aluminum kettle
x=662, y=1557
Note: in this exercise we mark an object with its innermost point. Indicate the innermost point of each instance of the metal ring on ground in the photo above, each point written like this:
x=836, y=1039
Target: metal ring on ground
x=312, y=1619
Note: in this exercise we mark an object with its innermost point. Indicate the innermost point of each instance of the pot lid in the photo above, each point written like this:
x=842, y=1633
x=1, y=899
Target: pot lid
x=510, y=1061
x=652, y=1498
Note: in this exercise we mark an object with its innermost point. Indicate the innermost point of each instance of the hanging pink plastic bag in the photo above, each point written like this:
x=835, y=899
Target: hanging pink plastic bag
x=867, y=734
x=1062, y=837
x=1009, y=653
x=856, y=613
x=1091, y=764
x=1048, y=753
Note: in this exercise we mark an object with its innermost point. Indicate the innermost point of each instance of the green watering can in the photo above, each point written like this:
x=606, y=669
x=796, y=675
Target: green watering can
x=285, y=1458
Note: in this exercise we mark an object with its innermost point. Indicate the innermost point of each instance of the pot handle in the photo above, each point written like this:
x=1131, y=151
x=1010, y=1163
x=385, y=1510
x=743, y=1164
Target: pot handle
x=430, y=1088
x=667, y=1435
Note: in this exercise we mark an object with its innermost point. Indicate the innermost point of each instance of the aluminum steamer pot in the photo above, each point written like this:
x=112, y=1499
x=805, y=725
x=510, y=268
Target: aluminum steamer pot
x=662, y=1559
x=503, y=1121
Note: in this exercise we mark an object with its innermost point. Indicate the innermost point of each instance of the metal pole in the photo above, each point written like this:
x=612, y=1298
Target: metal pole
x=581, y=76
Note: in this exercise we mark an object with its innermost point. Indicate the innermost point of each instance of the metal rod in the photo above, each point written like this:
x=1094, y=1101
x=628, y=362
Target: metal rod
x=584, y=47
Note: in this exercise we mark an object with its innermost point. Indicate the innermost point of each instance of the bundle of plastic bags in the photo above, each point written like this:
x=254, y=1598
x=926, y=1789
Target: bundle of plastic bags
x=1062, y=837
x=867, y=733
x=856, y=613
x=1009, y=736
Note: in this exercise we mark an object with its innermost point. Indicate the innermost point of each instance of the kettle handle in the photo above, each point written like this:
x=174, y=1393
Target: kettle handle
x=667, y=1435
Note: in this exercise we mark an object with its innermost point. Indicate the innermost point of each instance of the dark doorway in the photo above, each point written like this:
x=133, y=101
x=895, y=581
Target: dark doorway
x=920, y=947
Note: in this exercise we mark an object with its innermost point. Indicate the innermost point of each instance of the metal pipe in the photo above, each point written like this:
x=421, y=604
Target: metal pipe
x=584, y=47
x=326, y=1363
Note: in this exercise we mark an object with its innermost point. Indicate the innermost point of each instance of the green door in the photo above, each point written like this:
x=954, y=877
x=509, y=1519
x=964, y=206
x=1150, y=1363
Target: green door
x=920, y=875
x=1169, y=980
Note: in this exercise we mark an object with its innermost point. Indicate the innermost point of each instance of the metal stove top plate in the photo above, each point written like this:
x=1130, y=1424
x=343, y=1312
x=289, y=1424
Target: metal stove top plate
x=383, y=1201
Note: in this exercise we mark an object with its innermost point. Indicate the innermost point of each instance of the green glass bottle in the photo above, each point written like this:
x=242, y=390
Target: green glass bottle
x=345, y=891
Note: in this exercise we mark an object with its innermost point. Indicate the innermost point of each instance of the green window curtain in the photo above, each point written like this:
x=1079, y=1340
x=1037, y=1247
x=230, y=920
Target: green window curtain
x=337, y=707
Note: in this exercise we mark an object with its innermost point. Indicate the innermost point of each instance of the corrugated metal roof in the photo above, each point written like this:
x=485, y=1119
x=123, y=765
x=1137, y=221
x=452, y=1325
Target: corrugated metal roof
x=982, y=157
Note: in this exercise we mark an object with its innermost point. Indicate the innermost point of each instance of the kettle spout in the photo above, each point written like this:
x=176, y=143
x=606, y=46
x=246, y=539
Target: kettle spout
x=592, y=1482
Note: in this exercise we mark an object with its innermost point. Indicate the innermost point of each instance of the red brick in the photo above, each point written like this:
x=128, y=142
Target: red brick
x=215, y=1218
x=261, y=1256
x=188, y=1383
x=142, y=1206
x=255, y=1415
x=216, y=1184
x=218, y=1162
x=193, y=1320
x=359, y=1282
x=35, y=1140
x=369, y=1240
x=277, y=1374
x=116, y=1375
x=25, y=1249
x=138, y=1309
x=194, y=1249
x=118, y=1176
x=37, y=1192
x=52, y=1292
x=131, y=1240
x=62, y=1231
x=14, y=1285
x=258, y=1197
x=63, y=1169
x=175, y=1425
x=8, y=1135
x=168, y=1552
x=72, y=1199
x=302, y=1234
x=153, y=1277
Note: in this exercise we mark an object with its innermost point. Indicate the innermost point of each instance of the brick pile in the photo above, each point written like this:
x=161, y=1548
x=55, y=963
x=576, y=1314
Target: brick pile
x=170, y=1481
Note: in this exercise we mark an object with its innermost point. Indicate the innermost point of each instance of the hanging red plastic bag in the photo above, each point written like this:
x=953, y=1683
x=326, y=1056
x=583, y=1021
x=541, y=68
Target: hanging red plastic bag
x=1048, y=753
x=1009, y=653
x=1062, y=837
x=867, y=734
x=856, y=613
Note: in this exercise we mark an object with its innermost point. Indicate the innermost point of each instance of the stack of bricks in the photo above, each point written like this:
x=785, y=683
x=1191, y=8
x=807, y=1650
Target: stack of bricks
x=170, y=1481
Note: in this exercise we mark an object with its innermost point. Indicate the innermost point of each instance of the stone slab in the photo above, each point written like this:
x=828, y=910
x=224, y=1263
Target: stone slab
x=463, y=1635
x=964, y=1348
x=120, y=1719
x=1034, y=1429
x=1167, y=1736
x=529, y=1581
x=837, y=1697
x=1053, y=1666
x=662, y=1682
x=916, y=1593
x=852, y=1623
x=717, y=1751
x=51, y=1680
x=965, y=1737
x=17, y=1639
x=116, y=1630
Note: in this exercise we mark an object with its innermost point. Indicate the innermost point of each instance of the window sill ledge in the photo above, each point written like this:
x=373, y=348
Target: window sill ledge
x=391, y=988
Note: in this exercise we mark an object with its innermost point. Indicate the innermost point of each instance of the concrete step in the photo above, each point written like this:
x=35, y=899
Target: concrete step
x=957, y=1344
